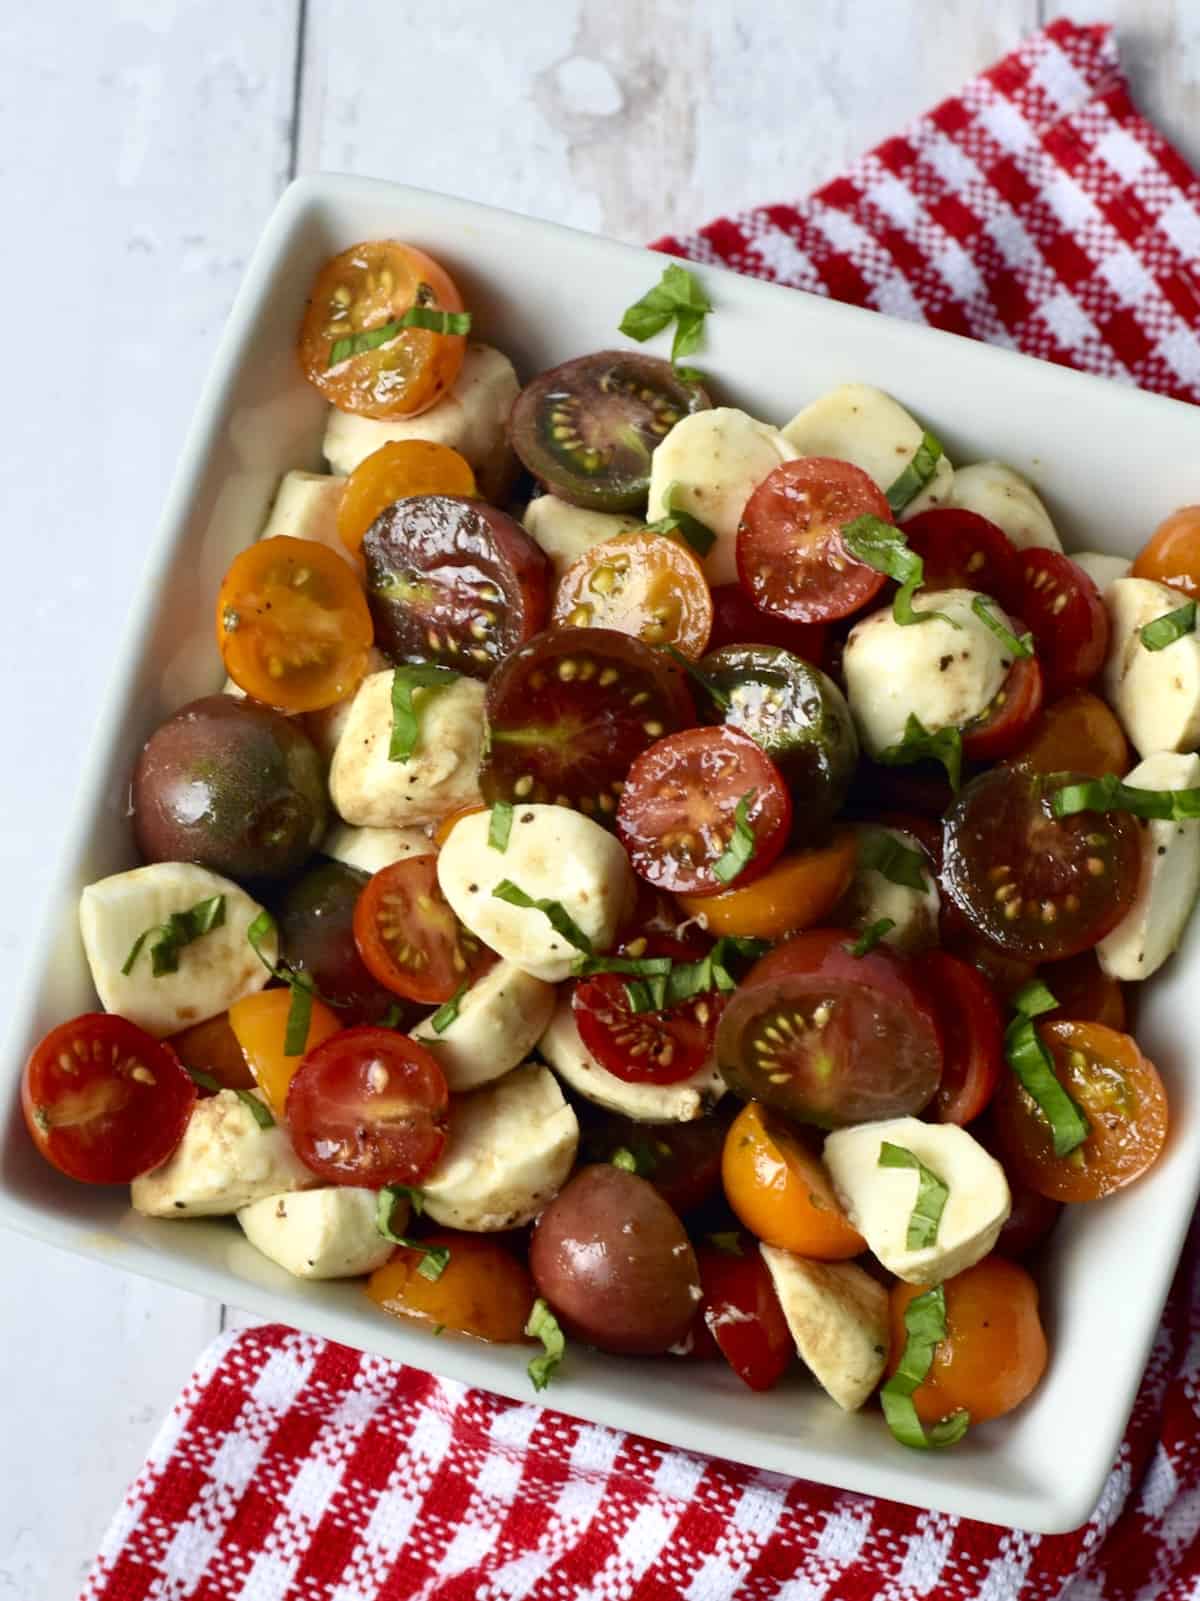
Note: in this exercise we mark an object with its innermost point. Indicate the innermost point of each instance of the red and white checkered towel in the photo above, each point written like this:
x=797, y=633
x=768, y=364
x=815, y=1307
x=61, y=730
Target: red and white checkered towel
x=1036, y=209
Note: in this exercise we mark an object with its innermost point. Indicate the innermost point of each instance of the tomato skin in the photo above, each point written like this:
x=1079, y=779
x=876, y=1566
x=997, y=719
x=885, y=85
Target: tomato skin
x=1122, y=1097
x=798, y=891
x=1063, y=610
x=742, y=1313
x=1005, y=725
x=398, y=469
x=682, y=1161
x=1085, y=994
x=676, y=816
x=103, y=1100
x=972, y=1038
x=641, y=584
x=1003, y=970
x=483, y=1291
x=259, y=1024
x=1172, y=553
x=780, y=1190
x=1031, y=1220
x=644, y=1048
x=212, y=1047
x=409, y=937
x=962, y=550
x=994, y=1353
x=738, y=621
x=790, y=556
x=1078, y=734
x=369, y=1107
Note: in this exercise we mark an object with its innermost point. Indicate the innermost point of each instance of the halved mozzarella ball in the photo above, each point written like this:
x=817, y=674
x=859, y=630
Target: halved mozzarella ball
x=879, y=1200
x=717, y=459
x=838, y=1316
x=1155, y=693
x=499, y=1021
x=510, y=1149
x=306, y=507
x=863, y=425
x=992, y=490
x=373, y=849
x=322, y=1234
x=223, y=1163
x=214, y=970
x=553, y=854
x=646, y=1103
x=1170, y=881
x=944, y=673
x=441, y=775
x=1101, y=569
x=326, y=727
x=566, y=532
x=873, y=897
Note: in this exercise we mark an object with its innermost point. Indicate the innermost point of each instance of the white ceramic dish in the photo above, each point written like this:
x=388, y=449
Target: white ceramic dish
x=1110, y=461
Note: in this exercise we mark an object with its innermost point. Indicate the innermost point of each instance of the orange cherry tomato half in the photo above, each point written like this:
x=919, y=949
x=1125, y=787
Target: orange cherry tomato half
x=409, y=937
x=212, y=1047
x=780, y=1190
x=259, y=1024
x=799, y=891
x=396, y=470
x=1076, y=734
x=1172, y=553
x=103, y=1100
x=994, y=1353
x=447, y=825
x=367, y=289
x=639, y=583
x=1120, y=1094
x=482, y=1291
x=293, y=625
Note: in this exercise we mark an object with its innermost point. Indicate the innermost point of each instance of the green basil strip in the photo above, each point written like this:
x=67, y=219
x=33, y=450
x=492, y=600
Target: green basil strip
x=445, y=1015
x=1164, y=631
x=434, y=1258
x=1030, y=1061
x=872, y=936
x=634, y=966
x=415, y=1198
x=295, y=1034
x=262, y=926
x=918, y=745
x=728, y=1243
x=624, y=1158
x=1033, y=998
x=670, y=983
x=709, y=685
x=431, y=318
x=405, y=728
x=742, y=843
x=883, y=547
x=925, y=1327
x=393, y=1017
x=259, y=1110
x=206, y=1081
x=677, y=297
x=1109, y=794
x=1023, y=646
x=916, y=475
x=647, y=995
x=560, y=919
x=883, y=853
x=543, y=1326
x=500, y=826
x=677, y=521
x=932, y=1195
x=436, y=321
x=180, y=929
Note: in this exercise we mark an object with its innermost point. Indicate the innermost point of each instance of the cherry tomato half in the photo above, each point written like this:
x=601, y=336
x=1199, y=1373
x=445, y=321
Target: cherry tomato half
x=293, y=626
x=962, y=550
x=398, y=469
x=259, y=1023
x=972, y=1037
x=1077, y=734
x=800, y=890
x=1003, y=970
x=678, y=814
x=409, y=937
x=641, y=584
x=738, y=621
x=1038, y=886
x=369, y=1107
x=482, y=1291
x=212, y=1047
x=681, y=1160
x=1005, y=724
x=1066, y=617
x=1122, y=1098
x=790, y=556
x=742, y=1313
x=1085, y=993
x=644, y=1047
x=316, y=935
x=366, y=289
x=780, y=1190
x=103, y=1100
x=1172, y=553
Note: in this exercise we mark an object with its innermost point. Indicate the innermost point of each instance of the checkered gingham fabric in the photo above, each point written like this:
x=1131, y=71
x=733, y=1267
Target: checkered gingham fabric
x=1036, y=209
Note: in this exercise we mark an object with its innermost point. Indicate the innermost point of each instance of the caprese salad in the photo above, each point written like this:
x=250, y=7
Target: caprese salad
x=653, y=877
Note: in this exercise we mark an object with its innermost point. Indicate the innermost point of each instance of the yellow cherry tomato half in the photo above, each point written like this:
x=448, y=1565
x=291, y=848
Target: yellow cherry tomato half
x=293, y=625
x=366, y=290
x=483, y=1290
x=780, y=1190
x=648, y=585
x=401, y=468
x=799, y=891
x=259, y=1023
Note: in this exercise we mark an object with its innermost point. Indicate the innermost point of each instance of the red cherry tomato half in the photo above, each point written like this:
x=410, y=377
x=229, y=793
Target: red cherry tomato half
x=962, y=550
x=104, y=1100
x=738, y=621
x=1003, y=970
x=1063, y=610
x=743, y=1315
x=681, y=1160
x=972, y=1037
x=790, y=555
x=644, y=1047
x=1004, y=727
x=678, y=814
x=409, y=937
x=368, y=1107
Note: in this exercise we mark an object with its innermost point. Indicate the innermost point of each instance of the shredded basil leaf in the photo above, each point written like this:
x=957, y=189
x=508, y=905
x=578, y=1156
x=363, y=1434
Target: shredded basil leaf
x=1109, y=794
x=872, y=936
x=260, y=928
x=500, y=826
x=883, y=546
x=1031, y=1062
x=1023, y=646
x=905, y=489
x=742, y=844
x=881, y=852
x=1164, y=631
x=709, y=685
x=295, y=1034
x=300, y=983
x=677, y=521
x=445, y=1015
x=434, y=1258
x=925, y=1326
x=415, y=1198
x=405, y=728
x=624, y=1158
x=393, y=1017
x=659, y=983
x=206, y=1081
x=560, y=919
x=259, y=1110
x=678, y=298
x=543, y=1326
x=728, y=1243
x=428, y=317
x=1033, y=998
x=918, y=745
x=932, y=1195
x=180, y=929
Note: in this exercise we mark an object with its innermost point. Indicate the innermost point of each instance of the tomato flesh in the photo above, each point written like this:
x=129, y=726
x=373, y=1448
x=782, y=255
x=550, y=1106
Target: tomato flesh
x=738, y=621
x=641, y=584
x=483, y=1291
x=368, y=1107
x=1063, y=610
x=742, y=1313
x=396, y=471
x=962, y=550
x=1007, y=721
x=972, y=1037
x=409, y=937
x=1077, y=734
x=677, y=816
x=1172, y=553
x=103, y=1100
x=644, y=1047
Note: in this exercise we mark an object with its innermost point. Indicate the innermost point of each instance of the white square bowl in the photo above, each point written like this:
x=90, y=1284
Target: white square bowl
x=1110, y=461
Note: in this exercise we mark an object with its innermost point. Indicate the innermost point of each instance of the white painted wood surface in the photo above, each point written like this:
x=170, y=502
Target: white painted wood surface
x=145, y=142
